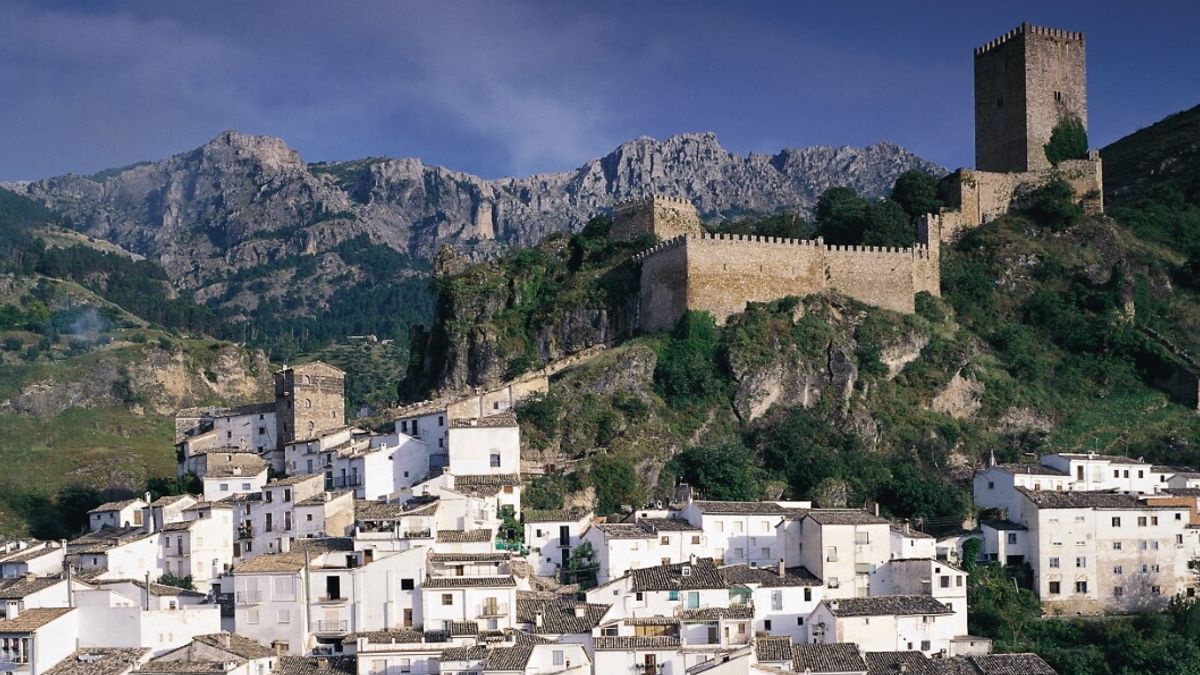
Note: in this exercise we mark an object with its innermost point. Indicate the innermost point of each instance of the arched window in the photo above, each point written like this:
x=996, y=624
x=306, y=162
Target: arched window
x=311, y=427
x=307, y=379
x=307, y=403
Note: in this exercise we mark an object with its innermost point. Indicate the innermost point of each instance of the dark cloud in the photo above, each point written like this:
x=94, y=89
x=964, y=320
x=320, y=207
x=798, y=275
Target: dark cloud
x=515, y=87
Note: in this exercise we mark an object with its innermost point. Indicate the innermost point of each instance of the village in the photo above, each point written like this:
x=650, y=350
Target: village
x=317, y=546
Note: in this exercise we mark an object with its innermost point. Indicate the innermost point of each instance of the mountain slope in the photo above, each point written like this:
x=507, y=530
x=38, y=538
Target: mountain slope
x=1165, y=154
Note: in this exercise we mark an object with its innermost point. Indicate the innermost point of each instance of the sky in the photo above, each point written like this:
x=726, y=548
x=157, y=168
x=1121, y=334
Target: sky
x=507, y=87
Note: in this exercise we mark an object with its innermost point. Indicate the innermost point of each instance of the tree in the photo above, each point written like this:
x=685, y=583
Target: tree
x=1068, y=140
x=917, y=193
x=1055, y=205
x=841, y=216
x=582, y=566
x=185, y=583
x=615, y=482
x=887, y=225
x=687, y=370
x=722, y=472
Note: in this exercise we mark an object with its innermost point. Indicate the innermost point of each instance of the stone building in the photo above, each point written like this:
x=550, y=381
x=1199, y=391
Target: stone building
x=1025, y=82
x=664, y=217
x=309, y=398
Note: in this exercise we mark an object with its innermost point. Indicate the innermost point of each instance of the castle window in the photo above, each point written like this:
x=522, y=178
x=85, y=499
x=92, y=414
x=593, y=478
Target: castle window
x=1058, y=96
x=307, y=403
x=999, y=101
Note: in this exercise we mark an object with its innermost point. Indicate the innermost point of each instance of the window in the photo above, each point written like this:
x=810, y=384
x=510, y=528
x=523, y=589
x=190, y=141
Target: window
x=558, y=657
x=664, y=540
x=1118, y=591
x=262, y=431
x=405, y=665
x=799, y=621
x=696, y=539
x=224, y=487
x=252, y=616
x=958, y=581
x=1081, y=562
x=638, y=597
x=1141, y=521
x=283, y=616
x=1054, y=588
x=441, y=421
x=1054, y=562
x=1118, y=569
x=1116, y=546
x=862, y=538
x=767, y=624
x=1153, y=520
x=245, y=486
x=1116, y=521
x=494, y=460
x=832, y=582
x=1179, y=539
x=447, y=599
x=1081, y=587
x=808, y=595
x=406, y=584
x=307, y=403
x=924, y=645
x=673, y=596
x=991, y=485
x=1156, y=590
x=1012, y=538
x=944, y=581
x=777, y=600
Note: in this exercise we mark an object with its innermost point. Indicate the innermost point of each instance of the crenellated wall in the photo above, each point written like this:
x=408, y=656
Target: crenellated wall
x=720, y=274
x=664, y=217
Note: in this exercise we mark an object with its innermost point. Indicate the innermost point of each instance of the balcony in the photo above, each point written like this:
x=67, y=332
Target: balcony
x=331, y=627
x=332, y=600
x=342, y=482
x=245, y=532
x=493, y=610
x=248, y=598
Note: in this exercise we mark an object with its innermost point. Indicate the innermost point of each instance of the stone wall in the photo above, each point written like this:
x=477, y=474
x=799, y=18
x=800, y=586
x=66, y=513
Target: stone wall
x=982, y=196
x=1025, y=82
x=309, y=398
x=664, y=217
x=720, y=274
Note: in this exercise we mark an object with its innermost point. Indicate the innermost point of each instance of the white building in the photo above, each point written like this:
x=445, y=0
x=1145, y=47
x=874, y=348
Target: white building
x=842, y=547
x=551, y=536
x=133, y=614
x=126, y=513
x=741, y=532
x=35, y=640
x=38, y=558
x=233, y=473
x=925, y=576
x=489, y=600
x=201, y=545
x=486, y=445
x=782, y=599
x=887, y=623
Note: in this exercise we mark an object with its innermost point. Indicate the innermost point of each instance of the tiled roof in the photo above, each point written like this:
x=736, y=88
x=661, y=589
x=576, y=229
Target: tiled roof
x=773, y=648
x=32, y=553
x=768, y=577
x=238, y=645
x=469, y=582
x=373, y=510
x=631, y=642
x=105, y=538
x=116, y=506
x=997, y=524
x=182, y=667
x=97, y=661
x=559, y=615
x=294, y=480
x=910, y=533
x=715, y=613
x=563, y=516
x=845, y=517
x=1053, y=499
x=1183, y=492
x=396, y=635
x=463, y=536
x=309, y=665
x=995, y=664
x=460, y=628
x=668, y=525
x=470, y=653
x=842, y=657
x=623, y=531
x=324, y=497
x=501, y=419
x=293, y=560
x=702, y=574
x=32, y=619
x=234, y=465
x=508, y=658
x=485, y=484
x=1115, y=459
x=893, y=663
x=1031, y=469
x=15, y=589
x=887, y=605
x=940, y=563
x=155, y=588
x=167, y=500
x=470, y=557
x=740, y=508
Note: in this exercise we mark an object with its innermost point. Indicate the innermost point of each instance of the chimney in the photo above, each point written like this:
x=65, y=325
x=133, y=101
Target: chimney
x=323, y=663
x=225, y=640
x=692, y=559
x=14, y=610
x=833, y=605
x=279, y=647
x=580, y=611
x=904, y=667
x=537, y=620
x=782, y=569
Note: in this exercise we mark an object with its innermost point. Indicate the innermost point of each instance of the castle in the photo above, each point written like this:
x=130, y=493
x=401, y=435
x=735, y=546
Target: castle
x=1026, y=81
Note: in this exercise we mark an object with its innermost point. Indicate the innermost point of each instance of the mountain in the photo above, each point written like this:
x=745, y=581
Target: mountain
x=1165, y=154
x=222, y=214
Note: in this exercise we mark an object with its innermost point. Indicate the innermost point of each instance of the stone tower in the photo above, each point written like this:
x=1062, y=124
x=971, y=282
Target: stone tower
x=1025, y=82
x=664, y=217
x=309, y=399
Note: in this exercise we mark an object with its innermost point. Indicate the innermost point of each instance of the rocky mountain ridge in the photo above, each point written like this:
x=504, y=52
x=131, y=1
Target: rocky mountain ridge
x=244, y=201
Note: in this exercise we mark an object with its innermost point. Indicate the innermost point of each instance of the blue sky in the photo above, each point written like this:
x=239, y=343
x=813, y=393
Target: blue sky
x=510, y=88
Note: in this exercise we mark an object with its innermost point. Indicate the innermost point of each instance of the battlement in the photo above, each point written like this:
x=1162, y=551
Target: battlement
x=1026, y=28
x=648, y=200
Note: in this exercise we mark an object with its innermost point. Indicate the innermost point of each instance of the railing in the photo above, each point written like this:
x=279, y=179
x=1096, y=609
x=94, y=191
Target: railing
x=331, y=627
x=246, y=532
x=493, y=610
x=418, y=534
x=248, y=597
x=343, y=482
x=329, y=599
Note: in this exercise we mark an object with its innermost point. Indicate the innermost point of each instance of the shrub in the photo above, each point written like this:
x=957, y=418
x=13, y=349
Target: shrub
x=917, y=193
x=615, y=482
x=687, y=370
x=1068, y=140
x=1054, y=204
x=12, y=344
x=722, y=472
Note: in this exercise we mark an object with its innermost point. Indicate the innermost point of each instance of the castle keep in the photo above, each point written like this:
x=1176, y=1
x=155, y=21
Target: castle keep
x=1026, y=81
